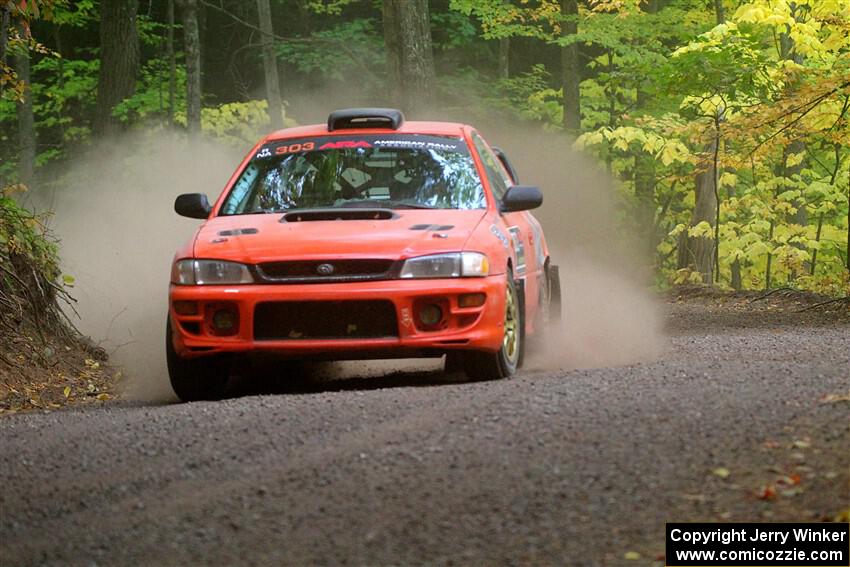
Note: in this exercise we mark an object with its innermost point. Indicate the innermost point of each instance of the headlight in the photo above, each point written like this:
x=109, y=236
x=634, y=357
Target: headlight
x=209, y=272
x=454, y=265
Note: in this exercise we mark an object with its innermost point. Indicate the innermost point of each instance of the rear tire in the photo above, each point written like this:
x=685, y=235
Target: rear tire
x=195, y=379
x=484, y=365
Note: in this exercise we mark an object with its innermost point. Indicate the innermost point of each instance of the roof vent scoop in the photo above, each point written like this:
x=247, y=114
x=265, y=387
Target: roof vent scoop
x=365, y=118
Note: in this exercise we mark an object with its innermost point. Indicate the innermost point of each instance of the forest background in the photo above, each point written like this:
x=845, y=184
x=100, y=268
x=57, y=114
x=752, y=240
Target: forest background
x=724, y=122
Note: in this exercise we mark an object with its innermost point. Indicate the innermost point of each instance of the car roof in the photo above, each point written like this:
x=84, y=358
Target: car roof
x=454, y=129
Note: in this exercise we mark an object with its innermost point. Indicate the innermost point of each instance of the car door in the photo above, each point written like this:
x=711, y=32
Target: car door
x=523, y=229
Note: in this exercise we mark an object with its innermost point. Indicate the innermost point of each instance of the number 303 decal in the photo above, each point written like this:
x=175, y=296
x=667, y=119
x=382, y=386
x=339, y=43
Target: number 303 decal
x=305, y=147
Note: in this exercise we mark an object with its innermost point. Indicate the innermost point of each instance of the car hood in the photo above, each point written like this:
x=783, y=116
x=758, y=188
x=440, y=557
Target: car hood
x=254, y=239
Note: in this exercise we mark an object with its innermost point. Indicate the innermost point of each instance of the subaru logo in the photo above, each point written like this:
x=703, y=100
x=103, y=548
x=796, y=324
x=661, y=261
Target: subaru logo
x=325, y=269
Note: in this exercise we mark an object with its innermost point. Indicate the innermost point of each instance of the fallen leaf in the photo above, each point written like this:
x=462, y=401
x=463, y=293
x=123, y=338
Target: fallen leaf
x=632, y=555
x=722, y=472
x=835, y=398
x=67, y=391
x=767, y=492
x=103, y=397
x=791, y=480
x=802, y=444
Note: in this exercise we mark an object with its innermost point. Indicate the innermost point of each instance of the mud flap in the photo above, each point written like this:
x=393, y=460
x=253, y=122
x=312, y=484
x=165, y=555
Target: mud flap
x=520, y=290
x=554, y=282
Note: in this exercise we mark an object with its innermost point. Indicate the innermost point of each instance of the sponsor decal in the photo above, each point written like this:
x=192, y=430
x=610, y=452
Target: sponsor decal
x=345, y=144
x=519, y=248
x=537, y=239
x=410, y=141
x=415, y=144
x=500, y=235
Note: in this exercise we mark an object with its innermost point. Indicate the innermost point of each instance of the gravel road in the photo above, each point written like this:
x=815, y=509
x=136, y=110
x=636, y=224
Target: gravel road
x=573, y=467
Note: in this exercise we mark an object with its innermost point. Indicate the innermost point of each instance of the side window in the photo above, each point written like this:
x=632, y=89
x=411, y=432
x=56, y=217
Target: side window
x=498, y=181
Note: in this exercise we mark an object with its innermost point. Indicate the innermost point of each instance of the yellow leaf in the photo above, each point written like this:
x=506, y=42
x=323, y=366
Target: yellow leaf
x=728, y=180
x=103, y=397
x=632, y=555
x=794, y=159
x=722, y=472
x=67, y=391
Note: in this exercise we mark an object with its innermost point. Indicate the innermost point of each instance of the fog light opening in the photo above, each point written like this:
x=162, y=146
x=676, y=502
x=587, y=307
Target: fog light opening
x=224, y=320
x=430, y=315
x=471, y=300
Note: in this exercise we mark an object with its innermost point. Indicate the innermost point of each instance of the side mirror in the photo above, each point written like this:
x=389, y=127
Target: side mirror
x=192, y=205
x=521, y=198
x=507, y=163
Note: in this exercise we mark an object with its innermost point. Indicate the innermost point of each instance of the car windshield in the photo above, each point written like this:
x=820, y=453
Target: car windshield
x=392, y=172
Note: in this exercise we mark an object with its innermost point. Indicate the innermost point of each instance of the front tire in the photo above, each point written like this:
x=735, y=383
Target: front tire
x=195, y=379
x=483, y=365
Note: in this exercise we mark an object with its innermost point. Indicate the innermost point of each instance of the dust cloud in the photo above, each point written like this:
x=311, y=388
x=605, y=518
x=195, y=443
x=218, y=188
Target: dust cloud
x=610, y=316
x=113, y=213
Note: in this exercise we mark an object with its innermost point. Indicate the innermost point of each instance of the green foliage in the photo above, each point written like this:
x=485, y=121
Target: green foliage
x=239, y=124
x=23, y=237
x=657, y=88
x=150, y=100
x=451, y=30
x=348, y=49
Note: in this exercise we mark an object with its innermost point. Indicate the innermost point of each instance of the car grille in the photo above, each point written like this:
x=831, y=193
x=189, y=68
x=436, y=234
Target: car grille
x=294, y=320
x=317, y=271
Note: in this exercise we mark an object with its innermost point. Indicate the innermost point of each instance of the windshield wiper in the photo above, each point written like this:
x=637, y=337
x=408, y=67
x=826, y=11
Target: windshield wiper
x=385, y=204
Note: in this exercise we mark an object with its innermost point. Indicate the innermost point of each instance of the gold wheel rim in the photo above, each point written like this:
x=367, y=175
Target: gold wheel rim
x=510, y=342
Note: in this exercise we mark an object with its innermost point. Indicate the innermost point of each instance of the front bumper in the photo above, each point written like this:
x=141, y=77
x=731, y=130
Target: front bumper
x=475, y=328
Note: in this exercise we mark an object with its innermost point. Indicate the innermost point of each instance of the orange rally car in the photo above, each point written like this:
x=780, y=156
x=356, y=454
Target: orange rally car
x=368, y=237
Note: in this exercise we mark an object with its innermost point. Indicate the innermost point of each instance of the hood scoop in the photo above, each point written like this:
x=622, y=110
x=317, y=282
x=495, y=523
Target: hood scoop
x=338, y=214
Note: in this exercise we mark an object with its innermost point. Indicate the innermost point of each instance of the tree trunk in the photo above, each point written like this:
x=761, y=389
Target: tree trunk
x=191, y=38
x=172, y=63
x=815, y=251
x=697, y=253
x=644, y=178
x=4, y=32
x=270, y=65
x=801, y=216
x=504, y=57
x=767, y=273
x=719, y=12
x=736, y=275
x=26, y=121
x=119, y=60
x=570, y=68
x=410, y=57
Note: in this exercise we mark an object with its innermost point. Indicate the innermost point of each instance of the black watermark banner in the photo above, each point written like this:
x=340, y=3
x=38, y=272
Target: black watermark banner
x=758, y=545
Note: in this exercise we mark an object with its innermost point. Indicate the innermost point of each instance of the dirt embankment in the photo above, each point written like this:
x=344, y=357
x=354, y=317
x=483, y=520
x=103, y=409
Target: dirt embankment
x=47, y=371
